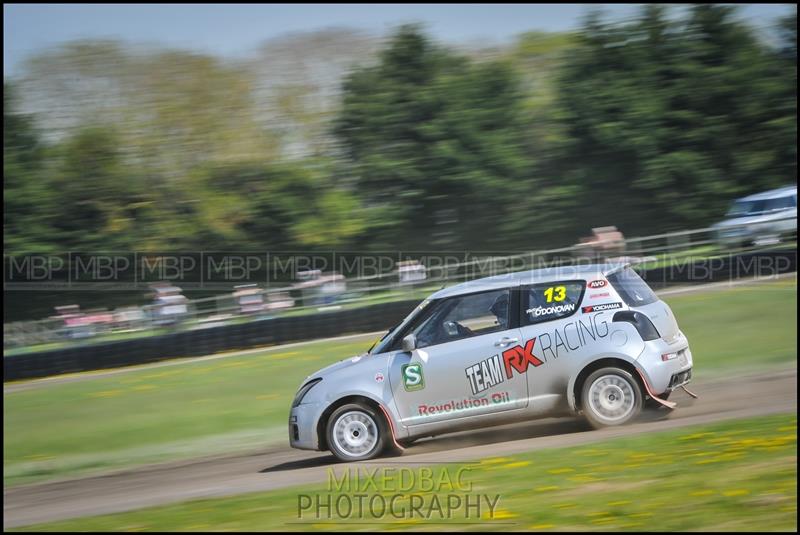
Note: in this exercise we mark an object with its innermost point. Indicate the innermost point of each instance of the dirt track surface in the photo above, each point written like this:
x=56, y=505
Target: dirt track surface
x=733, y=397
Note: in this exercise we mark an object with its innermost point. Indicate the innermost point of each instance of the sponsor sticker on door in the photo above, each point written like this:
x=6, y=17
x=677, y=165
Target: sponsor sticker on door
x=412, y=377
x=600, y=308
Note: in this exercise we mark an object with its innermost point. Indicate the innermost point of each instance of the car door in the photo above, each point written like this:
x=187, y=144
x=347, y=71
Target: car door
x=558, y=335
x=457, y=369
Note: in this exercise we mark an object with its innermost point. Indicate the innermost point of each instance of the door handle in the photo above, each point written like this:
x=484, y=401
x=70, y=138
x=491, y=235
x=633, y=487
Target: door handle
x=505, y=341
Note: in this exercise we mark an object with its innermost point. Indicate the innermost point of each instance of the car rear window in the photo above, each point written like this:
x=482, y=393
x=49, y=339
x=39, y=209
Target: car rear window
x=630, y=286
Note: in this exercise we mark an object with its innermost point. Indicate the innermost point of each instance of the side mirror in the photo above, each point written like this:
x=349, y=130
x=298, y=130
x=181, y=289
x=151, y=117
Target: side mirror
x=409, y=343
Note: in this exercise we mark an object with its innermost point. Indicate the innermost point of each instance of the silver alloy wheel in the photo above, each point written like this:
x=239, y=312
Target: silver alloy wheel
x=355, y=433
x=611, y=398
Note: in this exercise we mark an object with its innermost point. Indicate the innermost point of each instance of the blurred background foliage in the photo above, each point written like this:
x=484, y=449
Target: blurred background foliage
x=337, y=139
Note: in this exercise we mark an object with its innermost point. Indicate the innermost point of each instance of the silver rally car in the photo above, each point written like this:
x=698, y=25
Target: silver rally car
x=592, y=340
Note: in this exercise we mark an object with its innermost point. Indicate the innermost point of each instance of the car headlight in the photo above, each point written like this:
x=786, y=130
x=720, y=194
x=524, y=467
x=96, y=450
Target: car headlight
x=298, y=398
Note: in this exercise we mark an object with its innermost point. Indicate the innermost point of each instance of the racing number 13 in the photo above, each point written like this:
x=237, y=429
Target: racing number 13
x=560, y=294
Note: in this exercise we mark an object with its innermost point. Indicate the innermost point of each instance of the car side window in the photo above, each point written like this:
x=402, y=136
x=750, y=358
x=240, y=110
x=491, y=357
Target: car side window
x=783, y=203
x=551, y=301
x=464, y=316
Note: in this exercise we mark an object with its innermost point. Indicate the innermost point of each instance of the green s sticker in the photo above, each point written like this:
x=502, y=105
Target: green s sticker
x=412, y=377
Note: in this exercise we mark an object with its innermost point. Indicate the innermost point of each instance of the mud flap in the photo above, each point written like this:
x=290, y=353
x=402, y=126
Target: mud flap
x=664, y=402
x=391, y=428
x=688, y=392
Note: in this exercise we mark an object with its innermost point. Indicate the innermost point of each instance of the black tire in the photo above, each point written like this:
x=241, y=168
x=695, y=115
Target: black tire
x=611, y=397
x=356, y=432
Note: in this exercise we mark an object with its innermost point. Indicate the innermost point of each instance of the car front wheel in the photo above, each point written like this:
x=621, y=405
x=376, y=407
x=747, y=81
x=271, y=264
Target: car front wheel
x=610, y=397
x=356, y=433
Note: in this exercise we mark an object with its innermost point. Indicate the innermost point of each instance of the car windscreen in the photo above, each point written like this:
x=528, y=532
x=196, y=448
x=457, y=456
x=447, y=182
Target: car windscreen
x=386, y=340
x=631, y=288
x=782, y=203
x=744, y=208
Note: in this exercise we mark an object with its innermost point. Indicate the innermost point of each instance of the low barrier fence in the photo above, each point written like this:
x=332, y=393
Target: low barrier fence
x=213, y=338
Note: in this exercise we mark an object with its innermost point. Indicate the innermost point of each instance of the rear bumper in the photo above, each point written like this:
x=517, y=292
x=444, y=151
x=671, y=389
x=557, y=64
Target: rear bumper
x=666, y=375
x=679, y=379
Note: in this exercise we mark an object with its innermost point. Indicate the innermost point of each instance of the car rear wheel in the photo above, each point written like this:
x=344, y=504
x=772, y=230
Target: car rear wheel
x=356, y=433
x=610, y=397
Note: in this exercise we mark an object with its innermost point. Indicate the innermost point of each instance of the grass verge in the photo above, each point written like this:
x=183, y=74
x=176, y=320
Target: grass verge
x=739, y=475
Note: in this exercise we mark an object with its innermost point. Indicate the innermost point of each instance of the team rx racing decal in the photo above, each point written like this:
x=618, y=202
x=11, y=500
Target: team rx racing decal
x=601, y=294
x=498, y=398
x=412, y=377
x=596, y=284
x=519, y=357
x=571, y=337
x=545, y=311
x=485, y=374
x=600, y=308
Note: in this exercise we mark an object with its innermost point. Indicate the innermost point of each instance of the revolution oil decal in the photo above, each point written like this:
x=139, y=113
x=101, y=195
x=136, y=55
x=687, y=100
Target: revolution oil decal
x=440, y=407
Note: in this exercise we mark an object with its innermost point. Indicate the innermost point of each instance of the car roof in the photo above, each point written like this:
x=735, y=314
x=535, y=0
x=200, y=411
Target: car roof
x=507, y=280
x=771, y=194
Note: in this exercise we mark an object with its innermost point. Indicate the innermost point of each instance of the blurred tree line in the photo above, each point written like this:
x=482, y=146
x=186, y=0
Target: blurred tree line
x=650, y=125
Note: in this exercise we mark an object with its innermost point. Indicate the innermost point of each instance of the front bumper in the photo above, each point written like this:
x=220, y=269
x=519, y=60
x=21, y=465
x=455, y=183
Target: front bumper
x=666, y=375
x=303, y=425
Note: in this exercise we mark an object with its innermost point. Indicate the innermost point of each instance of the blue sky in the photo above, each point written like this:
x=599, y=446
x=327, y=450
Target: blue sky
x=237, y=29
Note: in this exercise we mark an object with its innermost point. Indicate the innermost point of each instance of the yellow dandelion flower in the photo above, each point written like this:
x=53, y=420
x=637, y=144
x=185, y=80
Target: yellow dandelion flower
x=499, y=514
x=736, y=492
x=555, y=471
x=621, y=502
x=105, y=394
x=496, y=460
